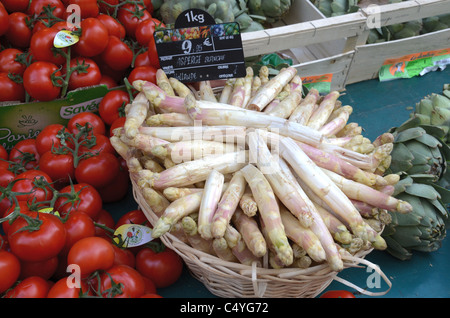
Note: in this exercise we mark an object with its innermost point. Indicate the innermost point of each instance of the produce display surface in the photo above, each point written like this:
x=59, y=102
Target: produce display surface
x=378, y=106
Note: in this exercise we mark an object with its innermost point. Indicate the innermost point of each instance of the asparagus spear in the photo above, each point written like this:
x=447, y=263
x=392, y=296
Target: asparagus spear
x=136, y=115
x=251, y=233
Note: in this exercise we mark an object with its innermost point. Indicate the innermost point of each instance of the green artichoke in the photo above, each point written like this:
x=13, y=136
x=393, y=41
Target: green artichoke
x=424, y=228
x=272, y=10
x=419, y=150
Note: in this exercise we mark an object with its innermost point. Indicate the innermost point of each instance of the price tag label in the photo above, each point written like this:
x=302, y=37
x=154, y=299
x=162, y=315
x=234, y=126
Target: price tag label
x=65, y=38
x=197, y=51
x=132, y=235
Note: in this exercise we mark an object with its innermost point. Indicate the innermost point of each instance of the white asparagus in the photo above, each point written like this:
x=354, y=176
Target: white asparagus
x=228, y=204
x=305, y=108
x=320, y=183
x=179, y=88
x=174, y=193
x=136, y=115
x=338, y=122
x=271, y=89
x=169, y=119
x=222, y=250
x=286, y=107
x=206, y=91
x=226, y=91
x=248, y=81
x=269, y=211
x=210, y=198
x=163, y=82
x=247, y=203
x=320, y=116
x=237, y=96
x=250, y=232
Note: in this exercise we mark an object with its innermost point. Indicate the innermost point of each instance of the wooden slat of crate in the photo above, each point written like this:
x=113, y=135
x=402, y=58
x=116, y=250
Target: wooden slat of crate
x=406, y=11
x=303, y=33
x=337, y=65
x=369, y=58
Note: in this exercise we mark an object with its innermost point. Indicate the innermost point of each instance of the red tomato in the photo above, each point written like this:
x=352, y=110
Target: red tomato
x=112, y=106
x=98, y=171
x=133, y=217
x=142, y=59
x=25, y=151
x=30, y=287
x=23, y=206
x=10, y=89
x=93, y=39
x=145, y=73
x=91, y=254
x=104, y=218
x=60, y=168
x=10, y=63
x=102, y=144
x=4, y=20
x=119, y=122
x=108, y=81
x=16, y=5
x=150, y=287
x=79, y=225
x=163, y=268
x=9, y=270
x=44, y=269
x=61, y=289
x=84, y=118
x=130, y=15
x=36, y=7
x=131, y=283
x=86, y=73
x=79, y=197
x=337, y=294
x=123, y=256
x=40, y=244
x=153, y=53
x=3, y=153
x=48, y=138
x=26, y=182
x=107, y=6
x=89, y=8
x=39, y=81
x=114, y=27
x=42, y=48
x=6, y=176
x=117, y=54
x=117, y=189
x=19, y=33
x=144, y=31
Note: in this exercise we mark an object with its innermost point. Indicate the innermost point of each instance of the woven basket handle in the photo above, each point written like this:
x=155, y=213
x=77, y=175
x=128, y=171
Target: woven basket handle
x=371, y=265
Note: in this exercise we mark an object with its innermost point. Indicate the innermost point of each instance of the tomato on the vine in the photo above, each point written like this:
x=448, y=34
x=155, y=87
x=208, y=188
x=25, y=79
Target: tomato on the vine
x=117, y=189
x=130, y=15
x=4, y=21
x=91, y=254
x=114, y=26
x=48, y=137
x=123, y=256
x=79, y=197
x=40, y=81
x=106, y=219
x=136, y=216
x=63, y=290
x=145, y=73
x=30, y=287
x=102, y=144
x=93, y=39
x=11, y=89
x=10, y=63
x=3, y=153
x=85, y=73
x=60, y=167
x=27, y=181
x=44, y=269
x=26, y=153
x=163, y=268
x=94, y=120
x=131, y=284
x=36, y=7
x=42, y=48
x=144, y=31
x=118, y=123
x=98, y=171
x=117, y=54
x=19, y=33
x=16, y=5
x=88, y=8
x=112, y=105
x=153, y=53
x=78, y=225
x=40, y=243
x=9, y=269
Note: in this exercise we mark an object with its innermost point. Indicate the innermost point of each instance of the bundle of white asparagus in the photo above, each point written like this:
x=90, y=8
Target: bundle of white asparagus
x=258, y=172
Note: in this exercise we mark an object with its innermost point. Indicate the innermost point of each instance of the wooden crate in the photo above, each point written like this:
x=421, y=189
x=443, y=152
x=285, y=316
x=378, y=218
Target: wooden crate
x=369, y=58
x=317, y=45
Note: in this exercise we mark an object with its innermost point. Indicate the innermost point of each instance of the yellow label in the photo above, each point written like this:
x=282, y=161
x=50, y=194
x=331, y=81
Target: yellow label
x=49, y=210
x=65, y=38
x=133, y=235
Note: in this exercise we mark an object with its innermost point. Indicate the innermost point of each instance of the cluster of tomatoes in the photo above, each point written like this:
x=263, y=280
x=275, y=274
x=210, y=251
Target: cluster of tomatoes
x=115, y=42
x=52, y=190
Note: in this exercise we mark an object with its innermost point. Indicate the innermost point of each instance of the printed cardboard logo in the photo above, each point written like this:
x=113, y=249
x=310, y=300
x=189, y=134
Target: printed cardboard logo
x=27, y=121
x=68, y=112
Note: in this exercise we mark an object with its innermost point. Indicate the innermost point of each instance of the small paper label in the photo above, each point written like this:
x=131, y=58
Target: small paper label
x=320, y=82
x=65, y=38
x=49, y=210
x=131, y=235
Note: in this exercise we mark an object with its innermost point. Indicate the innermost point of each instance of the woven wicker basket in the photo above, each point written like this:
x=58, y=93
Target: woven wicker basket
x=234, y=280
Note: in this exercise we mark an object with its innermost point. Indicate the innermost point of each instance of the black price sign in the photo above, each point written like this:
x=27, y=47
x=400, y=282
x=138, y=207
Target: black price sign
x=197, y=50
